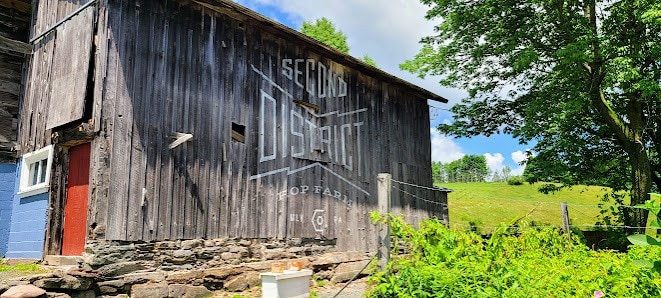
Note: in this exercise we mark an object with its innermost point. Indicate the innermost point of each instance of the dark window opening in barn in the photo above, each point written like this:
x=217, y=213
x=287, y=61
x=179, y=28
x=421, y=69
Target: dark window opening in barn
x=238, y=133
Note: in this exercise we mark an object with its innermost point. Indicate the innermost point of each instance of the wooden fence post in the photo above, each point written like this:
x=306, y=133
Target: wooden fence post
x=384, y=192
x=565, y=218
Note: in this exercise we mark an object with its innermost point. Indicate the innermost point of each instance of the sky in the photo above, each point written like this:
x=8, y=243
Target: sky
x=390, y=34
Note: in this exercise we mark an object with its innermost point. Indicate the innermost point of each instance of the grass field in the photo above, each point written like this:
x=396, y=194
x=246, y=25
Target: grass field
x=489, y=204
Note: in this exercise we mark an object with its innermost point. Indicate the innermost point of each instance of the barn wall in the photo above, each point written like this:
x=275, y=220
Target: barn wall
x=14, y=26
x=56, y=107
x=28, y=224
x=49, y=72
x=308, y=164
x=7, y=190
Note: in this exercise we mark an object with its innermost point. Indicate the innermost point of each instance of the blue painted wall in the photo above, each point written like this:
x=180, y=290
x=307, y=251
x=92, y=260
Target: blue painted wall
x=7, y=187
x=28, y=226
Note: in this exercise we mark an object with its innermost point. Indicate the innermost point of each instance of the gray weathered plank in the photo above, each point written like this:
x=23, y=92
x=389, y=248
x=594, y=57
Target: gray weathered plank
x=70, y=68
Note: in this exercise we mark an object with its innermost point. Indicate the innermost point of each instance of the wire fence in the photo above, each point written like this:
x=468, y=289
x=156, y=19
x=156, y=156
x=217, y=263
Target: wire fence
x=584, y=211
x=419, y=198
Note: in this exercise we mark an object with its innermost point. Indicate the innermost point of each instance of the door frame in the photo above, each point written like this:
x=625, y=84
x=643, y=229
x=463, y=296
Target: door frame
x=57, y=197
x=77, y=234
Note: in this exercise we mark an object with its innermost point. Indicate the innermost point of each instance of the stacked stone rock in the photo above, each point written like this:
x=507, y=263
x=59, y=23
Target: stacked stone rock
x=74, y=282
x=190, y=268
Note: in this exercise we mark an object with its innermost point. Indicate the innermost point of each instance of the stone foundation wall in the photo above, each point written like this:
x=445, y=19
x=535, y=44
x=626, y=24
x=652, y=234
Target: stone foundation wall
x=201, y=254
x=191, y=268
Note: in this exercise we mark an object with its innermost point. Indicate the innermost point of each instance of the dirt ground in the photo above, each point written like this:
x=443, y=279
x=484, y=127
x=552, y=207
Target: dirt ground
x=355, y=289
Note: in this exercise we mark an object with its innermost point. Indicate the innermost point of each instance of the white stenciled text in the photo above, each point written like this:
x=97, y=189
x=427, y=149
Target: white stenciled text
x=314, y=77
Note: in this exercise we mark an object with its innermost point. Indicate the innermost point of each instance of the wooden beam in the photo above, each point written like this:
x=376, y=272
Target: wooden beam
x=7, y=155
x=8, y=102
x=73, y=136
x=21, y=6
x=7, y=130
x=9, y=74
x=14, y=45
x=315, y=108
x=10, y=87
x=15, y=29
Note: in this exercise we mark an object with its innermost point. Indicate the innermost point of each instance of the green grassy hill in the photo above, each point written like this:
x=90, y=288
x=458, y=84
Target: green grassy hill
x=489, y=204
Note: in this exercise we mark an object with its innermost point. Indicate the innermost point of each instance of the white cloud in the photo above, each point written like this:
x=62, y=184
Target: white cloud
x=495, y=161
x=518, y=157
x=443, y=148
x=388, y=32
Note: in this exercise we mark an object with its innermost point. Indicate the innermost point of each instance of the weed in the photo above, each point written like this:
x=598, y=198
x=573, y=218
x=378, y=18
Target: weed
x=26, y=268
x=653, y=207
x=319, y=282
x=526, y=262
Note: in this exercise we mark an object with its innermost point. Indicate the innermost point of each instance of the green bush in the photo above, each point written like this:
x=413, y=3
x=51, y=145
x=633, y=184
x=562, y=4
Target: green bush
x=515, y=180
x=513, y=262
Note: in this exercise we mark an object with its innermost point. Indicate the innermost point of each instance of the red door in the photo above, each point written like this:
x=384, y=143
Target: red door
x=75, y=209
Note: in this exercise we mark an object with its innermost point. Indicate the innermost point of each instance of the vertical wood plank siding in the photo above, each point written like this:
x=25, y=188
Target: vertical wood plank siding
x=14, y=28
x=71, y=61
x=190, y=69
x=42, y=65
x=57, y=199
x=317, y=131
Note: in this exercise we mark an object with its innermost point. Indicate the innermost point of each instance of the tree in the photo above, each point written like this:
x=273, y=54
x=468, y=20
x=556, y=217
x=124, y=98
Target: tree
x=496, y=177
x=367, y=59
x=437, y=172
x=470, y=168
x=507, y=172
x=324, y=31
x=582, y=78
x=601, y=169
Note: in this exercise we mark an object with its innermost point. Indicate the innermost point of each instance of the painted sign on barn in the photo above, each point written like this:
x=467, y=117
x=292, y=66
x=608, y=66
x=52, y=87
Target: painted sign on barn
x=302, y=131
x=326, y=140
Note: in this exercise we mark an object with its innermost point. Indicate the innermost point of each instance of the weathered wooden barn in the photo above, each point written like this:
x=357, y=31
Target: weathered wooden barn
x=14, y=31
x=199, y=119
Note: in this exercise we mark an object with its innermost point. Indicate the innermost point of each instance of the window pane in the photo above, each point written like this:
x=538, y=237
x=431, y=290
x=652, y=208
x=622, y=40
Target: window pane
x=42, y=172
x=34, y=173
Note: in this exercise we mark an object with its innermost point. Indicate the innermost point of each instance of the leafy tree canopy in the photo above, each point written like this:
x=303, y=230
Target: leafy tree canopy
x=367, y=59
x=470, y=168
x=582, y=78
x=438, y=172
x=324, y=31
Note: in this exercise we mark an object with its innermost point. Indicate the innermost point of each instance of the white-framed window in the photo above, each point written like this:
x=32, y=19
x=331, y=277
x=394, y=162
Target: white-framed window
x=35, y=172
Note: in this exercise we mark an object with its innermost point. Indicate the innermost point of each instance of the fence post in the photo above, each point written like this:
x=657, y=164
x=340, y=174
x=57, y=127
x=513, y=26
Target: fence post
x=565, y=218
x=384, y=188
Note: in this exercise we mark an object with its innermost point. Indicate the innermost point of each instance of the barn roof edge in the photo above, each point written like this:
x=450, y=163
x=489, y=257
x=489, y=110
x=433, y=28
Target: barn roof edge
x=231, y=6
